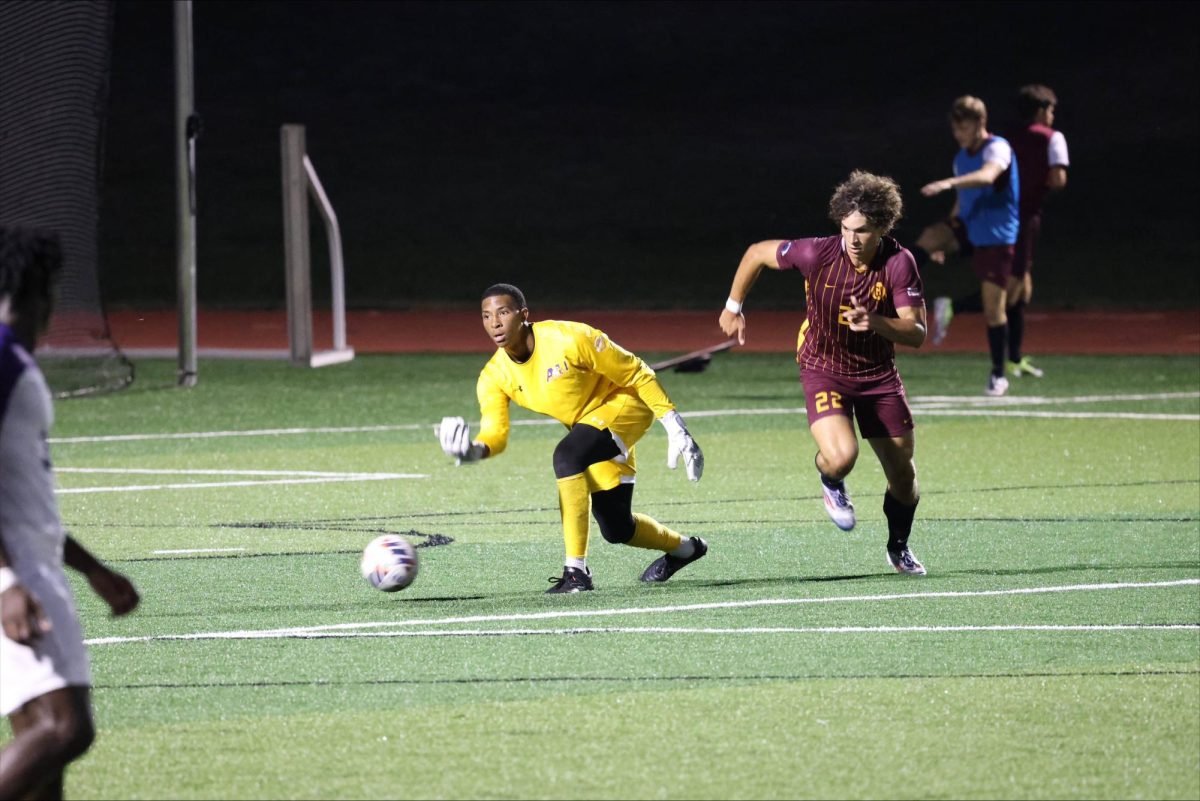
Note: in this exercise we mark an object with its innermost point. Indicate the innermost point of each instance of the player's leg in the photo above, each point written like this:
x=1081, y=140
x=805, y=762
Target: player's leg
x=900, y=500
x=829, y=404
x=612, y=483
x=993, y=268
x=582, y=447
x=1020, y=290
x=619, y=524
x=885, y=421
x=49, y=732
x=936, y=242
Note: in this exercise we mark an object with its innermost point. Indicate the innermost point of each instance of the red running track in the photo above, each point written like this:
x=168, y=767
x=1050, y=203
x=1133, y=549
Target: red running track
x=460, y=331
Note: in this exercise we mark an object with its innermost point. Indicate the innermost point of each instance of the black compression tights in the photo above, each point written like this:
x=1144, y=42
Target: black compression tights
x=582, y=447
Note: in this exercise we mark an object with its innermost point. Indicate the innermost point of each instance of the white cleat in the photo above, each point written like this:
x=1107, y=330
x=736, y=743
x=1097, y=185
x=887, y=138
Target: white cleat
x=904, y=562
x=943, y=314
x=997, y=386
x=839, y=507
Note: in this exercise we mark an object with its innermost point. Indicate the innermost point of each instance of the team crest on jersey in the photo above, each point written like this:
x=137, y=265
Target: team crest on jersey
x=600, y=343
x=557, y=371
x=878, y=292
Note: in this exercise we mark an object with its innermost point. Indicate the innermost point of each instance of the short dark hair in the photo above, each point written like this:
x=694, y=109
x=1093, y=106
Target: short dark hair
x=876, y=196
x=505, y=289
x=30, y=260
x=1034, y=97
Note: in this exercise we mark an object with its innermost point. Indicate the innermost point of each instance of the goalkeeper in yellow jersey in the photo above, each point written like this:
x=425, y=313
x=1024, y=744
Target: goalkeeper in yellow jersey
x=607, y=398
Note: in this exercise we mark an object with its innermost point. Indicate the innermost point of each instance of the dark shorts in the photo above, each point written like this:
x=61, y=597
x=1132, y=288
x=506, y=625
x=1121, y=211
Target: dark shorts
x=879, y=403
x=1026, y=243
x=992, y=263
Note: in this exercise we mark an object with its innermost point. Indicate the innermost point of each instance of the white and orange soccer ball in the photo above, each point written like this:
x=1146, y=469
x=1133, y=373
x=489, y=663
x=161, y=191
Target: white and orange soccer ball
x=389, y=563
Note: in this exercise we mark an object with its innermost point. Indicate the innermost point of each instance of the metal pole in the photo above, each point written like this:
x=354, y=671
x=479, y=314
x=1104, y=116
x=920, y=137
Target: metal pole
x=337, y=273
x=187, y=128
x=297, y=270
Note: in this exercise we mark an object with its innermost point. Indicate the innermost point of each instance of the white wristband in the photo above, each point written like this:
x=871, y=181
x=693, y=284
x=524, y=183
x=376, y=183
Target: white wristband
x=733, y=306
x=7, y=578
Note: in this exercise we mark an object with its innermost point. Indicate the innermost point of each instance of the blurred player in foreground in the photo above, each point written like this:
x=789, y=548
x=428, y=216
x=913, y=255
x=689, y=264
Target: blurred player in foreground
x=45, y=677
x=1042, y=162
x=863, y=294
x=607, y=398
x=983, y=222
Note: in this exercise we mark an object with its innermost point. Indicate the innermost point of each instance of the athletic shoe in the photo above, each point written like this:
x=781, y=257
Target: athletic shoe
x=997, y=385
x=666, y=565
x=943, y=314
x=837, y=503
x=1025, y=367
x=573, y=580
x=904, y=562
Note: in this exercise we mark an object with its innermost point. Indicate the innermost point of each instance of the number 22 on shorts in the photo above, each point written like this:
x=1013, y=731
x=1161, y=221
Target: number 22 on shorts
x=824, y=401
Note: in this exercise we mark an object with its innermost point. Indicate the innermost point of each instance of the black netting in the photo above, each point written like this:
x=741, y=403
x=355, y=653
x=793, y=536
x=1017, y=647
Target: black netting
x=54, y=66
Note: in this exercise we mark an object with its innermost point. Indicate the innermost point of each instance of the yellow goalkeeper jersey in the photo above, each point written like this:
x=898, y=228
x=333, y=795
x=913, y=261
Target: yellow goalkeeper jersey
x=573, y=370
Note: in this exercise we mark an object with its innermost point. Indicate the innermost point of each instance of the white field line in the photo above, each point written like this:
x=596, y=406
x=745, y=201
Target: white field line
x=585, y=613
x=219, y=484
x=936, y=402
x=301, y=634
x=1053, y=415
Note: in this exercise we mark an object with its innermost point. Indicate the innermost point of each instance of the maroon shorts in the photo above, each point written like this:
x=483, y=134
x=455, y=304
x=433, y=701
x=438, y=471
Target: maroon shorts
x=1026, y=242
x=879, y=403
x=994, y=263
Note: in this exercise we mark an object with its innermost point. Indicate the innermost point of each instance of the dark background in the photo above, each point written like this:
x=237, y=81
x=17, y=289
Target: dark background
x=625, y=154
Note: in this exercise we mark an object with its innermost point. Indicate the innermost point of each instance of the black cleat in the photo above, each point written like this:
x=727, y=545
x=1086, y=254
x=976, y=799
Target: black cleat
x=573, y=580
x=666, y=565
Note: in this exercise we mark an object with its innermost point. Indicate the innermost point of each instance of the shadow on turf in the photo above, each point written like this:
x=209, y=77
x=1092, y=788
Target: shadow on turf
x=1081, y=568
x=779, y=581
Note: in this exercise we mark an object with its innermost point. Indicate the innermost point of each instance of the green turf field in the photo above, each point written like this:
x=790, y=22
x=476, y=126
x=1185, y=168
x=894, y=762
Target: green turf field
x=1053, y=651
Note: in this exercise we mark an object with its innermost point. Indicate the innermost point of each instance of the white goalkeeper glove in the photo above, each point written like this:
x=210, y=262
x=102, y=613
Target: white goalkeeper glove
x=455, y=436
x=680, y=443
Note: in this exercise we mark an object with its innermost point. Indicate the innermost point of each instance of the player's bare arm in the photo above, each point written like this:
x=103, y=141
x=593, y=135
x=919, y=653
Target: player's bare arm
x=21, y=616
x=907, y=329
x=1057, y=178
x=115, y=589
x=984, y=176
x=757, y=256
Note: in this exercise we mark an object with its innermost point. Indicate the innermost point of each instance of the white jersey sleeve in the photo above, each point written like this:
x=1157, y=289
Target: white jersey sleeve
x=1057, y=150
x=997, y=151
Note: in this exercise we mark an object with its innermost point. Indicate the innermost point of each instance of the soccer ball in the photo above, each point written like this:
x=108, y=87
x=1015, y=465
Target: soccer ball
x=389, y=563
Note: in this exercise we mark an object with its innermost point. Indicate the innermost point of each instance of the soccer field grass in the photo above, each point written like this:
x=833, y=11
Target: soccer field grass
x=1052, y=651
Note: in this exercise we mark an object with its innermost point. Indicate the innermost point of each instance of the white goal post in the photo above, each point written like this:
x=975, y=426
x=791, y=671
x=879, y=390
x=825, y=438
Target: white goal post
x=300, y=180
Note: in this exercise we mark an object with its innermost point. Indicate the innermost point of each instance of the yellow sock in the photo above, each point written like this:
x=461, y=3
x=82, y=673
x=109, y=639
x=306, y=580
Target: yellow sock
x=574, y=503
x=650, y=534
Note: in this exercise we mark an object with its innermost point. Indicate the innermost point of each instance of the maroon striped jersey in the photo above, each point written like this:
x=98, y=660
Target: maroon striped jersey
x=826, y=342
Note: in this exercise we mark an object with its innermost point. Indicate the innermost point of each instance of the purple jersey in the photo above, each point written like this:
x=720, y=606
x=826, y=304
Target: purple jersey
x=826, y=343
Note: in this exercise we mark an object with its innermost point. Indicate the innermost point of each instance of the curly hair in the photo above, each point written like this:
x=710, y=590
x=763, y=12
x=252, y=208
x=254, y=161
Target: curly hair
x=877, y=197
x=29, y=260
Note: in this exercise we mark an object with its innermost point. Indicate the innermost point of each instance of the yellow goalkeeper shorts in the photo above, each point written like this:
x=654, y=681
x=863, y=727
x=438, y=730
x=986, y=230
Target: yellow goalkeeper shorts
x=626, y=418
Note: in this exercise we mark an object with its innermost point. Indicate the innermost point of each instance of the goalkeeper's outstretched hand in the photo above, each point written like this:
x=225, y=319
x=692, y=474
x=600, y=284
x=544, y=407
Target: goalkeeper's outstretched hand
x=455, y=437
x=680, y=443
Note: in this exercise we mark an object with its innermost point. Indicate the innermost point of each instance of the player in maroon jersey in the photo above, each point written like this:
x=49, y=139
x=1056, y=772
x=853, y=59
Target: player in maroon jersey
x=864, y=295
